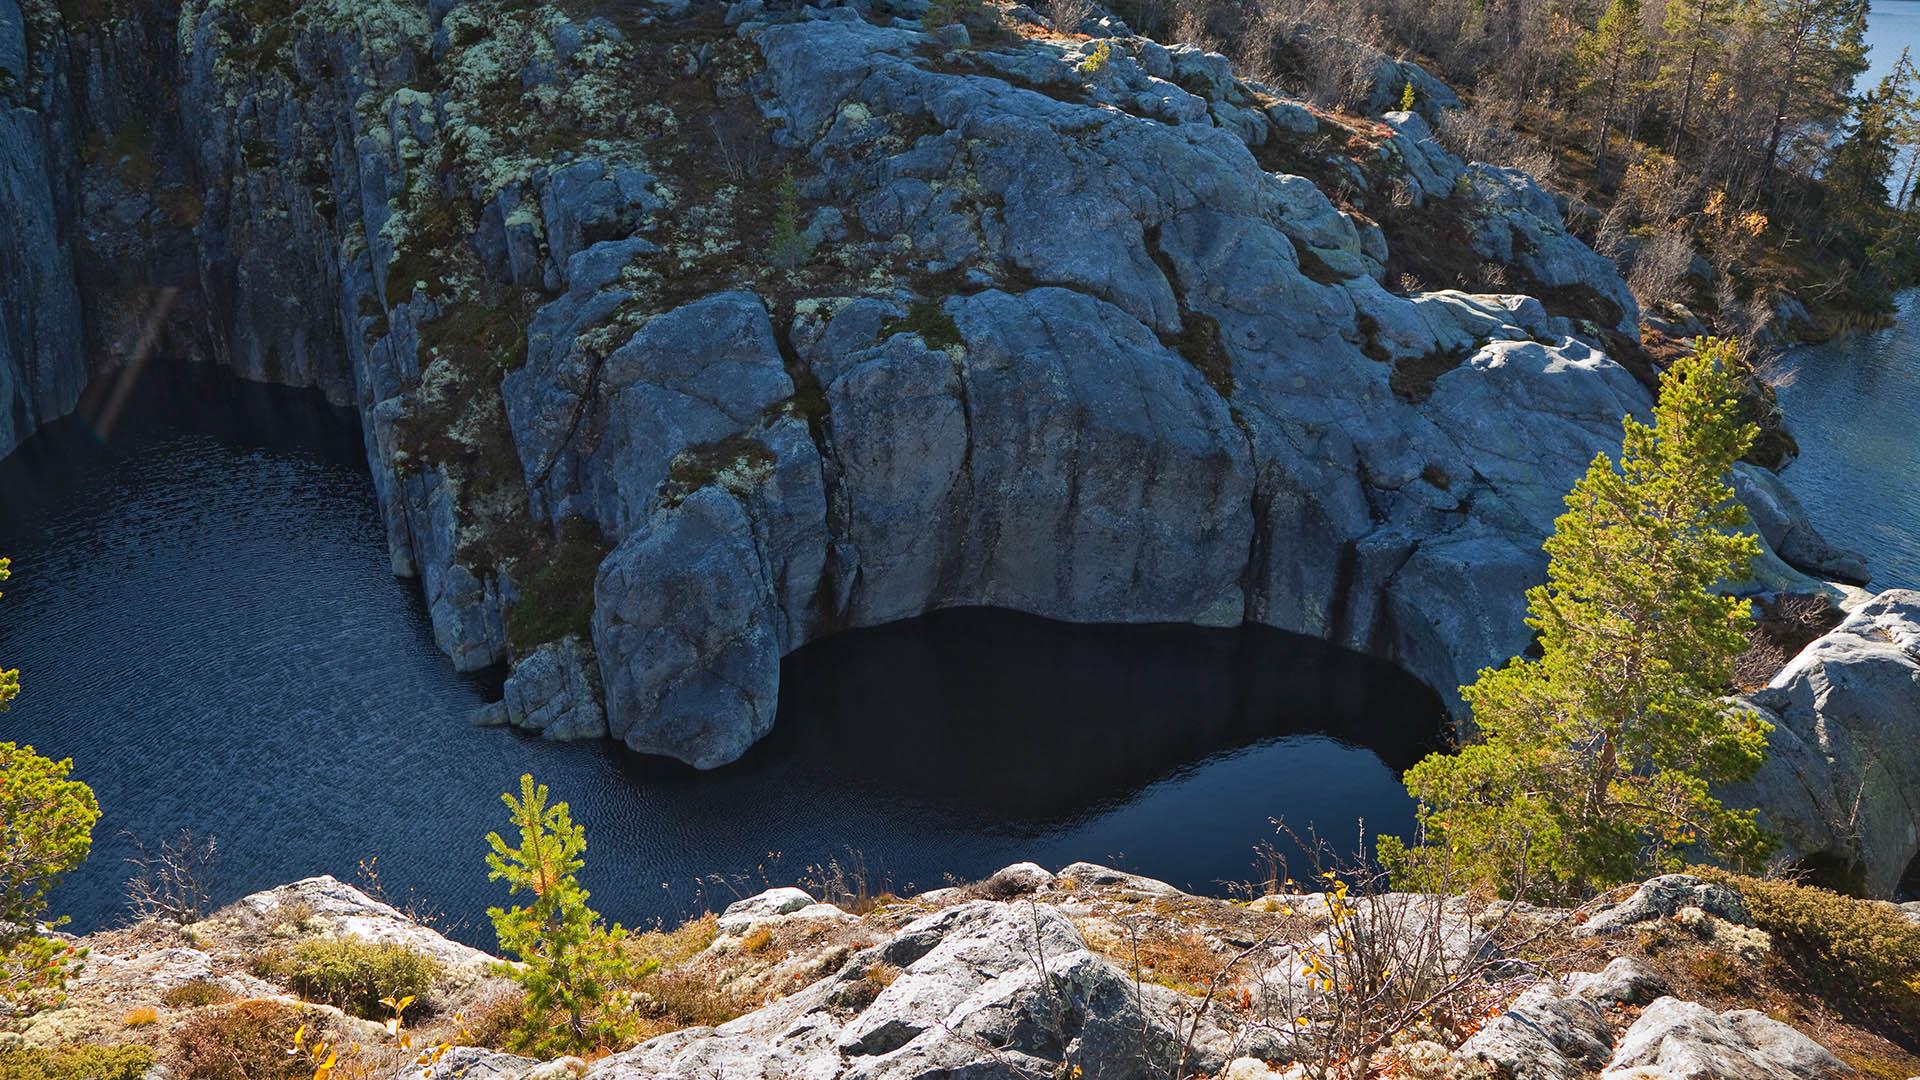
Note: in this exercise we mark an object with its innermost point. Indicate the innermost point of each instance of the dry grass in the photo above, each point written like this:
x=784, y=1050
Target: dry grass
x=193, y=995
x=1175, y=958
x=490, y=1020
x=680, y=999
x=1782, y=627
x=671, y=948
x=245, y=1041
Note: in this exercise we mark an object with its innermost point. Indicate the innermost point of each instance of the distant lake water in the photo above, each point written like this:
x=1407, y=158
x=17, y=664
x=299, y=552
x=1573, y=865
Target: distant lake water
x=1892, y=25
x=206, y=623
x=1854, y=405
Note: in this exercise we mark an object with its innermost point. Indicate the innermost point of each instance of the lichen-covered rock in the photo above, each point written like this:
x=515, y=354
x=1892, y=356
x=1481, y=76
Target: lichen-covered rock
x=812, y=320
x=1661, y=898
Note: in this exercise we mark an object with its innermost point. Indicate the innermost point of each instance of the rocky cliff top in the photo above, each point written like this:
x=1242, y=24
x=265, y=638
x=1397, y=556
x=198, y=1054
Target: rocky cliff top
x=1030, y=973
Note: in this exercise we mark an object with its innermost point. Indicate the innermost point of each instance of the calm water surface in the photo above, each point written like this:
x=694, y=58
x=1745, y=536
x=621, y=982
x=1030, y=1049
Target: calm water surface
x=1854, y=405
x=206, y=622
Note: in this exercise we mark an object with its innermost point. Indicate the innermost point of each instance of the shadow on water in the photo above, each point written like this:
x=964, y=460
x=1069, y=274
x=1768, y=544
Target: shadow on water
x=1103, y=711
x=206, y=621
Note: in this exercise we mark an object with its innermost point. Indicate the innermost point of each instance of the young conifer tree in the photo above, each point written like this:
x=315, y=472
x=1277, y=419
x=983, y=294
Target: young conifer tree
x=1592, y=765
x=46, y=830
x=573, y=966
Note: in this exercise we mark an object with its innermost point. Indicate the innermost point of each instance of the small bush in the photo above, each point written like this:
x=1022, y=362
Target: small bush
x=294, y=917
x=1855, y=954
x=247, y=1041
x=353, y=975
x=76, y=1062
x=1717, y=974
x=143, y=1016
x=193, y=995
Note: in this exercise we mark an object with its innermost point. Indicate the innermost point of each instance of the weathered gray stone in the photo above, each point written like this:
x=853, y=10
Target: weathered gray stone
x=1095, y=874
x=1659, y=898
x=1017, y=879
x=473, y=1063
x=1783, y=523
x=1431, y=172
x=1624, y=981
x=1547, y=1033
x=1681, y=1040
x=555, y=690
x=742, y=916
x=1519, y=224
x=983, y=990
x=1840, y=780
x=688, y=639
x=1431, y=97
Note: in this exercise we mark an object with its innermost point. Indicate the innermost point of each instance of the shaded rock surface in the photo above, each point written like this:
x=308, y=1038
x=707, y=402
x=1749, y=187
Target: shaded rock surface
x=1081, y=345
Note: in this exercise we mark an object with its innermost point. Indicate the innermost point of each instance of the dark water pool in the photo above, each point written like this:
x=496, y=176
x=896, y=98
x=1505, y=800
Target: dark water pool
x=1854, y=405
x=205, y=620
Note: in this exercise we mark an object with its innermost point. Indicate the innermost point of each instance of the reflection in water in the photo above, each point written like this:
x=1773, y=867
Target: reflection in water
x=207, y=623
x=1853, y=405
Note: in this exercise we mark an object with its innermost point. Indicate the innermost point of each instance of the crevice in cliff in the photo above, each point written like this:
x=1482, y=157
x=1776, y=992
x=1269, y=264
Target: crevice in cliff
x=953, y=560
x=1340, y=600
x=1199, y=337
x=809, y=402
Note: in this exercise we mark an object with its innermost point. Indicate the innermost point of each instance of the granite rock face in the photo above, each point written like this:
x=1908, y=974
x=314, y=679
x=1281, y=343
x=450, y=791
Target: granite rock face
x=555, y=690
x=1840, y=783
x=900, y=326
x=42, y=340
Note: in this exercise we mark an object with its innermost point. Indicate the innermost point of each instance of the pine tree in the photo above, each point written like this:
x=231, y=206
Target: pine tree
x=1609, y=57
x=1902, y=86
x=572, y=964
x=1818, y=47
x=1592, y=764
x=46, y=830
x=1693, y=34
x=9, y=679
x=1863, y=161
